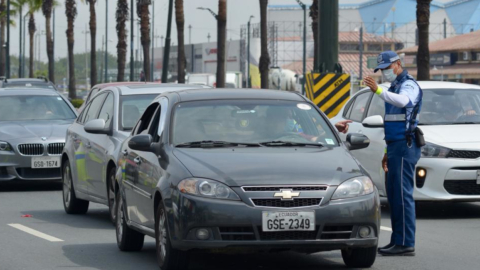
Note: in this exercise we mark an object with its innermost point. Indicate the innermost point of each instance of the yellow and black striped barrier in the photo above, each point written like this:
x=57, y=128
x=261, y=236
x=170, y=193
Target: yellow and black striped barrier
x=329, y=91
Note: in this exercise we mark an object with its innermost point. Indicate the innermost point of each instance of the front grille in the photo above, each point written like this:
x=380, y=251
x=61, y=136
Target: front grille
x=300, y=235
x=336, y=232
x=463, y=154
x=294, y=188
x=31, y=149
x=39, y=173
x=300, y=202
x=462, y=187
x=237, y=233
x=55, y=148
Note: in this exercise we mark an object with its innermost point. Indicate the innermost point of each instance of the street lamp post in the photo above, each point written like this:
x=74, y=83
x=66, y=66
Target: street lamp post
x=304, y=7
x=20, y=47
x=166, y=52
x=86, y=32
x=208, y=37
x=131, y=40
x=248, y=51
x=53, y=43
x=106, y=40
x=22, y=60
x=153, y=36
x=7, y=51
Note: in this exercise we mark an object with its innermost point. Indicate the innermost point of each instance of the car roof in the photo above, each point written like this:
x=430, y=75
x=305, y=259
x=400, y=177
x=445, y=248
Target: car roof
x=425, y=85
x=25, y=80
x=28, y=92
x=212, y=94
x=104, y=85
x=145, y=89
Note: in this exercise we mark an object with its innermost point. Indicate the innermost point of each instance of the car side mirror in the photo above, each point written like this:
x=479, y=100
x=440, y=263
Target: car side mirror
x=96, y=126
x=141, y=142
x=374, y=121
x=357, y=141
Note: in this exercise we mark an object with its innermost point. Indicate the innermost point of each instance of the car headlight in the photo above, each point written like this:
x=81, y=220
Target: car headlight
x=5, y=146
x=431, y=150
x=207, y=188
x=354, y=187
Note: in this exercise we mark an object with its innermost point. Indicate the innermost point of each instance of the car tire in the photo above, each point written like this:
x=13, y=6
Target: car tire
x=111, y=196
x=71, y=203
x=127, y=238
x=359, y=257
x=168, y=258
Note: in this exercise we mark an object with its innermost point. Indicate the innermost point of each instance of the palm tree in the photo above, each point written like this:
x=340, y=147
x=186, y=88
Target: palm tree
x=33, y=6
x=264, y=57
x=47, y=7
x=180, y=19
x=314, y=16
x=423, y=53
x=71, y=13
x=144, y=15
x=221, y=40
x=121, y=16
x=93, y=42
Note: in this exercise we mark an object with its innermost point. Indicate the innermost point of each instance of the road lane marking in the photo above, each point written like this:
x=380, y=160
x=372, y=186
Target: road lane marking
x=383, y=228
x=35, y=232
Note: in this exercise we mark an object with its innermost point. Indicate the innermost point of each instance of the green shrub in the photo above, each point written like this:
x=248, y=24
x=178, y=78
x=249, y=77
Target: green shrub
x=77, y=102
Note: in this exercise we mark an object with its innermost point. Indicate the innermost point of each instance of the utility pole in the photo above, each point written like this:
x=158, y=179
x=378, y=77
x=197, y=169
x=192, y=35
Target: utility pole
x=328, y=37
x=20, y=47
x=248, y=51
x=131, y=41
x=445, y=28
x=23, y=45
x=7, y=51
x=304, y=7
x=86, y=32
x=106, y=40
x=103, y=64
x=53, y=44
x=361, y=54
x=166, y=52
x=153, y=26
x=208, y=37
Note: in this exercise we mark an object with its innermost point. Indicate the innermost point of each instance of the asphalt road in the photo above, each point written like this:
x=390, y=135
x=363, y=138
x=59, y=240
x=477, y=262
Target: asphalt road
x=448, y=237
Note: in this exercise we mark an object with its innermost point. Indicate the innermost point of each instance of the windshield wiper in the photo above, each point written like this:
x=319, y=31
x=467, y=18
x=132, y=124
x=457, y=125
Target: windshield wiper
x=285, y=143
x=208, y=144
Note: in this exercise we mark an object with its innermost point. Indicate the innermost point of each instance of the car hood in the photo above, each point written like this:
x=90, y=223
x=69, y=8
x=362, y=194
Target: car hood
x=270, y=166
x=34, y=129
x=453, y=136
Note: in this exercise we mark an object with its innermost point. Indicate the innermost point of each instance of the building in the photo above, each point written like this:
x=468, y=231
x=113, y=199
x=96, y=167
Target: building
x=454, y=59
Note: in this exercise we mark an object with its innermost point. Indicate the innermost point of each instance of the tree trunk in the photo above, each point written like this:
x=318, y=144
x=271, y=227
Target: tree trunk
x=144, y=14
x=71, y=12
x=121, y=17
x=423, y=53
x=3, y=21
x=221, y=40
x=93, y=43
x=31, y=32
x=314, y=16
x=47, y=6
x=180, y=19
x=264, y=57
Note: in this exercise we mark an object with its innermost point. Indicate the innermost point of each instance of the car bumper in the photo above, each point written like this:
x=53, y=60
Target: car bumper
x=16, y=166
x=234, y=224
x=448, y=179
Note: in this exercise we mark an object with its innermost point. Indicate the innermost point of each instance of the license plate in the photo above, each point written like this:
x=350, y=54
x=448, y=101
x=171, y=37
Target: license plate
x=478, y=177
x=45, y=162
x=288, y=221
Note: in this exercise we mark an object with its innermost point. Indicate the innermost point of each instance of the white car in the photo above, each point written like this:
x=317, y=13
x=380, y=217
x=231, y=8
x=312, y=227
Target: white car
x=449, y=169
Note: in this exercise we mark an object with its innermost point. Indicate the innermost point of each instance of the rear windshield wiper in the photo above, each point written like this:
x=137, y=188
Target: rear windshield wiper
x=285, y=143
x=207, y=144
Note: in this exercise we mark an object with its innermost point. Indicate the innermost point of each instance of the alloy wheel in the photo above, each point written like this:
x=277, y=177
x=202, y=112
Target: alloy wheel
x=120, y=221
x=67, y=186
x=162, y=236
x=111, y=198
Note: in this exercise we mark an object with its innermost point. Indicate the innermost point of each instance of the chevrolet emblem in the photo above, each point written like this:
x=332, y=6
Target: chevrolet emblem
x=286, y=194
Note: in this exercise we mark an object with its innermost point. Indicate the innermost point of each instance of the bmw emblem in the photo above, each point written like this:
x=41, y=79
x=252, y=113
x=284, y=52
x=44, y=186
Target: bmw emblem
x=44, y=138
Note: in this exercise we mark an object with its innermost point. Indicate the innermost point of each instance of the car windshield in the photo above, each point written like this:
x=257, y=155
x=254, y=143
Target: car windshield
x=24, y=108
x=450, y=107
x=131, y=108
x=250, y=121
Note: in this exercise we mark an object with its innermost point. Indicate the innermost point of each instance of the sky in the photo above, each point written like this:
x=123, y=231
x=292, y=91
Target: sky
x=238, y=13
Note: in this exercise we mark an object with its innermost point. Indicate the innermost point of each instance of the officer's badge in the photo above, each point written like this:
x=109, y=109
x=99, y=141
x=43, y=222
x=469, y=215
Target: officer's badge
x=379, y=59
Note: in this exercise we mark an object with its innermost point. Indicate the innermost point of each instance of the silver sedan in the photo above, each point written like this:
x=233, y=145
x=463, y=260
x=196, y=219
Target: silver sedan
x=33, y=124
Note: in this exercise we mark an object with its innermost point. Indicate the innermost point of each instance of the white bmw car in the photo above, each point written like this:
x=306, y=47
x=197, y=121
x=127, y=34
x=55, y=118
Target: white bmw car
x=449, y=169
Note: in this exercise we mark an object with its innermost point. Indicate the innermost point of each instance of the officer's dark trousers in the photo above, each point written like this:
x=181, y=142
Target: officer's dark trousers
x=400, y=180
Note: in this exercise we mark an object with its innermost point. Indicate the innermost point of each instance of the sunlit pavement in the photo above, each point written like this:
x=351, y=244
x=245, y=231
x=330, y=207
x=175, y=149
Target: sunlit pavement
x=36, y=233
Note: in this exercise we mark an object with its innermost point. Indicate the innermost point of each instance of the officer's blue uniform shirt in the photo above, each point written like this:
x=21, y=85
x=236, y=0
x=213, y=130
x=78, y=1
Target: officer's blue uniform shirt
x=410, y=89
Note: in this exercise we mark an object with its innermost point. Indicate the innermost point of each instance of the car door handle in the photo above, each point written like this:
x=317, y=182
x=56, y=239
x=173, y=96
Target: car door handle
x=125, y=152
x=137, y=160
x=360, y=131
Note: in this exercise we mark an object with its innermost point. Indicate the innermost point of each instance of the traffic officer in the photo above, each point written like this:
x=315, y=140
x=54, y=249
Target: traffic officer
x=403, y=102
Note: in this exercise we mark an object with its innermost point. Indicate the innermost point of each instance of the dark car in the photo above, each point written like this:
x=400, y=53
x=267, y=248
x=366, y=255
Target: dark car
x=248, y=169
x=25, y=83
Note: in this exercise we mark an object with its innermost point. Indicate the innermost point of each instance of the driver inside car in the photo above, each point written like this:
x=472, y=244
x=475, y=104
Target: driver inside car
x=280, y=123
x=452, y=111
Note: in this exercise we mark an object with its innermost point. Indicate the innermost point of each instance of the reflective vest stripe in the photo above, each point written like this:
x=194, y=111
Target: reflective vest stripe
x=395, y=117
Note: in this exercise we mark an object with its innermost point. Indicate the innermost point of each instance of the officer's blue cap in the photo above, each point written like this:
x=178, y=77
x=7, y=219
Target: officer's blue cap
x=385, y=59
